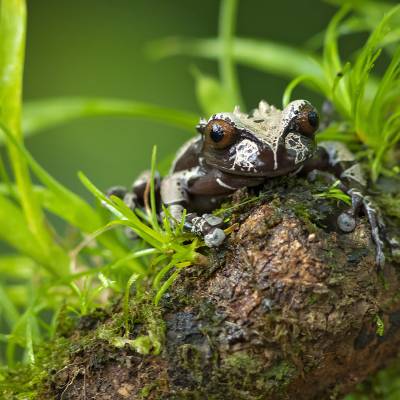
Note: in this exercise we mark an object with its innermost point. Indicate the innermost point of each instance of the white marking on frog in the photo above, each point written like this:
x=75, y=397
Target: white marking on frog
x=246, y=155
x=223, y=184
x=293, y=142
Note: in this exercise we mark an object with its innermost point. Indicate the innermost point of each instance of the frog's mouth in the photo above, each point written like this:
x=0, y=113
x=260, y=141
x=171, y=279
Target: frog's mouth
x=257, y=160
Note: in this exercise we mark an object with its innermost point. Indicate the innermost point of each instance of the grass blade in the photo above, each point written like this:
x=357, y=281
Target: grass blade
x=70, y=202
x=165, y=286
x=15, y=232
x=12, y=48
x=211, y=95
x=263, y=55
x=48, y=113
x=153, y=204
x=227, y=22
x=8, y=310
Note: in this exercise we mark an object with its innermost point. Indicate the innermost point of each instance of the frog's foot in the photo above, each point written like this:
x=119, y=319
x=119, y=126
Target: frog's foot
x=208, y=226
x=347, y=221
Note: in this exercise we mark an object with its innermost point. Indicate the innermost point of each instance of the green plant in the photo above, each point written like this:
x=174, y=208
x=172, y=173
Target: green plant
x=45, y=268
x=47, y=272
x=367, y=104
x=333, y=192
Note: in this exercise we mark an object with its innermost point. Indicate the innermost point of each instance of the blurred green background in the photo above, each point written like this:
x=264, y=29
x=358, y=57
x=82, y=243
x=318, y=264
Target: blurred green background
x=98, y=48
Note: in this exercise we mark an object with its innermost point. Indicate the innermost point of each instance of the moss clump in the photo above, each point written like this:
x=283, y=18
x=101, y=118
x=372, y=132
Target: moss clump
x=248, y=372
x=141, y=330
x=141, y=327
x=29, y=382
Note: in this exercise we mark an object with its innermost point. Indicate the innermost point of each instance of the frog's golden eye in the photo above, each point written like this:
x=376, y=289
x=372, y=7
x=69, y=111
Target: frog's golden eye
x=307, y=121
x=220, y=134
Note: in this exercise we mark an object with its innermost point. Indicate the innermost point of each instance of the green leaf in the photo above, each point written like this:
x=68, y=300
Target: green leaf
x=211, y=95
x=15, y=232
x=333, y=192
x=45, y=114
x=360, y=74
x=16, y=267
x=227, y=22
x=165, y=286
x=264, y=55
x=125, y=215
x=134, y=277
x=294, y=83
x=69, y=206
x=8, y=310
x=153, y=202
x=12, y=48
x=67, y=203
x=333, y=67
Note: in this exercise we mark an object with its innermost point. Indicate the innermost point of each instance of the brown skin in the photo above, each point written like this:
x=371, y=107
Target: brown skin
x=237, y=150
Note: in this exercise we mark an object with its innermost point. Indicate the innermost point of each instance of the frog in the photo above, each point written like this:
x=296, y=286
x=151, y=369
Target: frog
x=235, y=149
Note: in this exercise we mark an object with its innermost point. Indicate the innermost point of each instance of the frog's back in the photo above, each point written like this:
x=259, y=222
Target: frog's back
x=188, y=155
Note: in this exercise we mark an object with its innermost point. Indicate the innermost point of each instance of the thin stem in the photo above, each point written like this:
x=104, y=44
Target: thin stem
x=227, y=25
x=12, y=49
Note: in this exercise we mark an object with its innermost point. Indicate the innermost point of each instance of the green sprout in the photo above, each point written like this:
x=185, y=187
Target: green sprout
x=333, y=192
x=380, y=326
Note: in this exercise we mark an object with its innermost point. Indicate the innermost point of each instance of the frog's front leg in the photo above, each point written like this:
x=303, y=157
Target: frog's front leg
x=201, y=189
x=335, y=161
x=175, y=195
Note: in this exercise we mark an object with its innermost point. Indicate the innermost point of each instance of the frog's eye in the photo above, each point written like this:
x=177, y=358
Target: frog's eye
x=307, y=121
x=220, y=134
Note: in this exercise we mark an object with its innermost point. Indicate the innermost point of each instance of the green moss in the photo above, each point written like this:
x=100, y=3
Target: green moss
x=247, y=371
x=302, y=211
x=29, y=382
x=147, y=390
x=142, y=313
x=283, y=372
x=191, y=359
x=312, y=299
x=144, y=334
x=390, y=203
x=380, y=326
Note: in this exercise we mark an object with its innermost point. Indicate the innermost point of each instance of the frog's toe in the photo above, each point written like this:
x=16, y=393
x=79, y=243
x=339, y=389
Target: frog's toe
x=215, y=238
x=205, y=224
x=208, y=226
x=213, y=220
x=346, y=222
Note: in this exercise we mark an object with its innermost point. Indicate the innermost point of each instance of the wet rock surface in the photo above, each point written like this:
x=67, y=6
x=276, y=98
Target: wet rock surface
x=288, y=308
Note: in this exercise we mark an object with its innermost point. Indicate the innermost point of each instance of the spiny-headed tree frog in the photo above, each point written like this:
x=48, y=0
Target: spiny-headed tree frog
x=236, y=150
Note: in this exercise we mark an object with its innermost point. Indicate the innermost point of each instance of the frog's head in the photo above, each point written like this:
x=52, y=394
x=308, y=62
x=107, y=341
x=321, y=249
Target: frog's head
x=270, y=142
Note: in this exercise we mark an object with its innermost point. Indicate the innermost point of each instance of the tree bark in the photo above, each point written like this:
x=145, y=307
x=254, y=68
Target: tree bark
x=289, y=308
